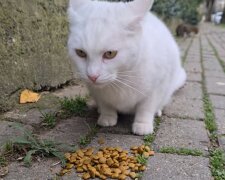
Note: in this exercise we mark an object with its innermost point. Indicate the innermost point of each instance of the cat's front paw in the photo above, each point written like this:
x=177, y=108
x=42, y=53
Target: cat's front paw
x=142, y=128
x=106, y=121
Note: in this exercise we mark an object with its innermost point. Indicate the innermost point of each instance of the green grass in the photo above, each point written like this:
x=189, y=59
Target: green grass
x=217, y=156
x=142, y=159
x=29, y=146
x=209, y=114
x=148, y=139
x=139, y=175
x=85, y=140
x=217, y=161
x=76, y=106
x=2, y=161
x=49, y=119
x=181, y=151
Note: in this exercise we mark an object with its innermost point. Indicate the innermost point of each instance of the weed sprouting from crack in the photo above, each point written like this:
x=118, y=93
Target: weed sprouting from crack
x=29, y=145
x=217, y=161
x=148, y=139
x=181, y=151
x=142, y=159
x=49, y=119
x=76, y=106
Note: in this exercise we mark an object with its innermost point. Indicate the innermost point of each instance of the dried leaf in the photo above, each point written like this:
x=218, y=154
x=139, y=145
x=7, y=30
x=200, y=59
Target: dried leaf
x=28, y=96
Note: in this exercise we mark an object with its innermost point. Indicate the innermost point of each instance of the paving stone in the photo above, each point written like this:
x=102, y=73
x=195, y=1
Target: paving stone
x=212, y=65
x=193, y=67
x=220, y=120
x=38, y=170
x=69, y=131
x=194, y=76
x=193, y=59
x=218, y=101
x=174, y=167
x=182, y=133
x=214, y=74
x=9, y=131
x=191, y=90
x=72, y=91
x=31, y=117
x=215, y=85
x=124, y=125
x=221, y=140
x=185, y=108
x=115, y=140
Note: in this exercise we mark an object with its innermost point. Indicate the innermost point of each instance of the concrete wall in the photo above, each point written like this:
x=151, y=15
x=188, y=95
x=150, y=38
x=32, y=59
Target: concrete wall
x=33, y=35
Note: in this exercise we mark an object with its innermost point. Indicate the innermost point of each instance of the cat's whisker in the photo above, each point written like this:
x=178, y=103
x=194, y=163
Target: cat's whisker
x=127, y=80
x=131, y=76
x=114, y=85
x=117, y=86
x=124, y=83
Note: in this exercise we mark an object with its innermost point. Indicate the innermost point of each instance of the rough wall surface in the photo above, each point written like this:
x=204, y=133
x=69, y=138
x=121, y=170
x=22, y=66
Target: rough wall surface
x=33, y=54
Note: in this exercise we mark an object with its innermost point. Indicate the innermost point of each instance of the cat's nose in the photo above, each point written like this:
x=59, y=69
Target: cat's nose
x=93, y=78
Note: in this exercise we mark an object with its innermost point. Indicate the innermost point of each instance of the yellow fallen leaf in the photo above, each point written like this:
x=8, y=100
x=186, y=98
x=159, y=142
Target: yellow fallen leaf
x=28, y=96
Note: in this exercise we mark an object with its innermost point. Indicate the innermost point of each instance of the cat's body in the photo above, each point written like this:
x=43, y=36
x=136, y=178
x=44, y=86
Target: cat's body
x=146, y=70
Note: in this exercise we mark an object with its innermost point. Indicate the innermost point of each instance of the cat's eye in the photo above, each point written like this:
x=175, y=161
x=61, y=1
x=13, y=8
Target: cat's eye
x=109, y=54
x=81, y=53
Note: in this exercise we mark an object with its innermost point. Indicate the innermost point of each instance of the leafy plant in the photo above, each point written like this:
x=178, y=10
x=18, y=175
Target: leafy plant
x=186, y=10
x=29, y=145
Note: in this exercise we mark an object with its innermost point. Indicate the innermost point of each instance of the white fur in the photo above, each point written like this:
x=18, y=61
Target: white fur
x=147, y=64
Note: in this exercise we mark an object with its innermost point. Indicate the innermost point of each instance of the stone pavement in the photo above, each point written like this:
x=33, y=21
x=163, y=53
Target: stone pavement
x=182, y=124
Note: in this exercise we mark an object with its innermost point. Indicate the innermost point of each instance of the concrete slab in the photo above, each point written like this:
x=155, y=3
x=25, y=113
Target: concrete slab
x=220, y=120
x=185, y=108
x=68, y=131
x=218, y=102
x=215, y=85
x=174, y=167
x=182, y=133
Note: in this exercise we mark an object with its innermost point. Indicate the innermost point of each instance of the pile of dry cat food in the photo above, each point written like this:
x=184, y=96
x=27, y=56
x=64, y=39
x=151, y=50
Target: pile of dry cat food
x=107, y=162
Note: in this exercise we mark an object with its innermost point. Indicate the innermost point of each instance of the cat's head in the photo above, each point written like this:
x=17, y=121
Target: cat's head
x=104, y=37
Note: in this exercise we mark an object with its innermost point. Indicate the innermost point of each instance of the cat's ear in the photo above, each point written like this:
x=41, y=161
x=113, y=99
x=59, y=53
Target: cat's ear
x=140, y=7
x=138, y=10
x=76, y=4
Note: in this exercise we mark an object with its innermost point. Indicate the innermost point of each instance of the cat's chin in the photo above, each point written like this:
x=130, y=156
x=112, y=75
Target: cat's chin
x=99, y=85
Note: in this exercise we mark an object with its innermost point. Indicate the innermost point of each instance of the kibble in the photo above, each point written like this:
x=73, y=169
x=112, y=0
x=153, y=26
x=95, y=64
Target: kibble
x=107, y=162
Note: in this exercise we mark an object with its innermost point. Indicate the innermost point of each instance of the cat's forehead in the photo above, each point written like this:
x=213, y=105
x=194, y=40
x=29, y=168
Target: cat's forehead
x=97, y=32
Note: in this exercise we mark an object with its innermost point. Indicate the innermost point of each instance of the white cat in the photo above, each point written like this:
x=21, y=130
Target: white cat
x=127, y=57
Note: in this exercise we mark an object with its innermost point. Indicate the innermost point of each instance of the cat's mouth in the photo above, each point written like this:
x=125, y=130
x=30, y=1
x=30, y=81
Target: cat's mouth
x=100, y=84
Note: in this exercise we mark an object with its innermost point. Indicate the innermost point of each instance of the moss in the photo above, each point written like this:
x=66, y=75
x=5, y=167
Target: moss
x=33, y=35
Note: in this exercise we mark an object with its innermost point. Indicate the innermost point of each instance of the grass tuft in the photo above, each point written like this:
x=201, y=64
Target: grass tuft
x=181, y=151
x=85, y=140
x=77, y=106
x=217, y=161
x=142, y=159
x=49, y=119
x=148, y=139
x=2, y=161
x=209, y=115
